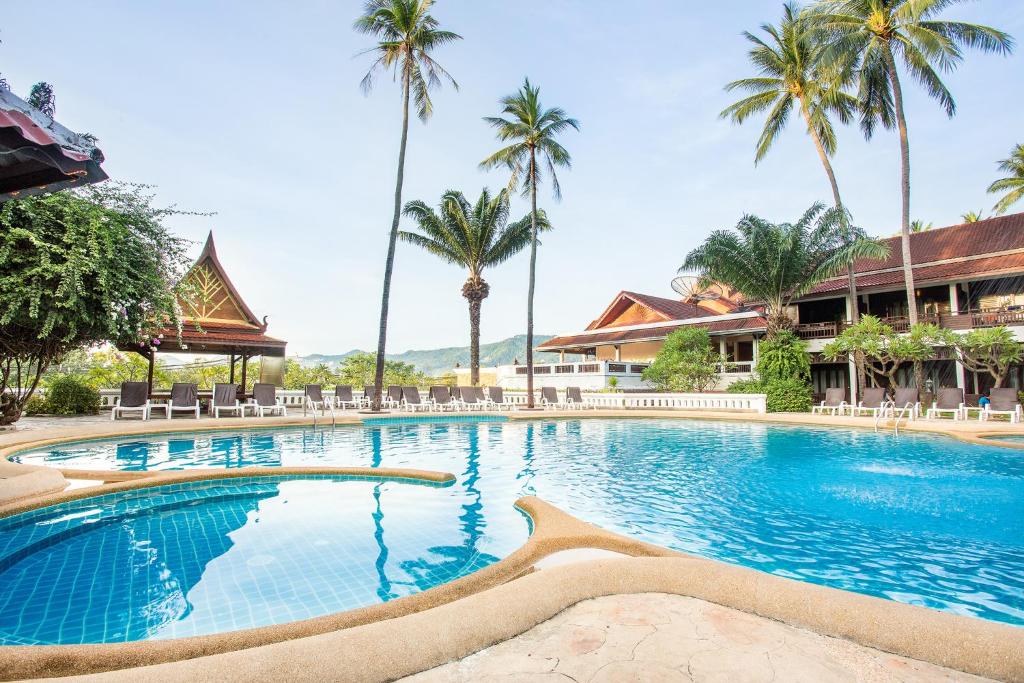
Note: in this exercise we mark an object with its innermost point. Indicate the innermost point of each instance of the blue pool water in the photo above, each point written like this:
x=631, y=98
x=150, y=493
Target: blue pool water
x=228, y=554
x=921, y=519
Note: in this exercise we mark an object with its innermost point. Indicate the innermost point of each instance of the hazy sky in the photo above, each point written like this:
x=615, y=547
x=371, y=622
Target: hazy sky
x=252, y=109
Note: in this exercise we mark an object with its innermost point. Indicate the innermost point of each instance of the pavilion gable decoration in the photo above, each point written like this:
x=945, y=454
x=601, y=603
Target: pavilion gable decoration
x=211, y=300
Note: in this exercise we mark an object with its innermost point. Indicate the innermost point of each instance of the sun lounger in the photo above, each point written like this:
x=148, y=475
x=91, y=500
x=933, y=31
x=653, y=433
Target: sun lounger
x=265, y=400
x=134, y=398
x=549, y=399
x=441, y=398
x=225, y=400
x=496, y=399
x=834, y=403
x=314, y=400
x=412, y=401
x=469, y=399
x=369, y=392
x=872, y=403
x=184, y=399
x=574, y=399
x=950, y=400
x=1004, y=401
x=343, y=397
x=908, y=401
x=394, y=397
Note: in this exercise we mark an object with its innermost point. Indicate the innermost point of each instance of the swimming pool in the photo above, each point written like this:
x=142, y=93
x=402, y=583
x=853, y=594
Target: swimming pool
x=920, y=519
x=214, y=556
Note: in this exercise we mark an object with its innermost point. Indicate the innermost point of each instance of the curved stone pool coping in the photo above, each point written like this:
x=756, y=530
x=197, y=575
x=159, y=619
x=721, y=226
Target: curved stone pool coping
x=458, y=618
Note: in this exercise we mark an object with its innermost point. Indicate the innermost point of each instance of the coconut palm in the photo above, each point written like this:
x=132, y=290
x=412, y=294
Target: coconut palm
x=919, y=225
x=971, y=217
x=774, y=264
x=1013, y=185
x=475, y=237
x=407, y=36
x=874, y=34
x=532, y=131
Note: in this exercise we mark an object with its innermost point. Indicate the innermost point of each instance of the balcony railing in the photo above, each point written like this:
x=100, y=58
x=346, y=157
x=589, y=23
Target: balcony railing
x=900, y=324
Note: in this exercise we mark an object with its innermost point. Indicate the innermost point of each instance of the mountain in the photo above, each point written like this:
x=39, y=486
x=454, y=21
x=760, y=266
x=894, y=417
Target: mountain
x=439, y=361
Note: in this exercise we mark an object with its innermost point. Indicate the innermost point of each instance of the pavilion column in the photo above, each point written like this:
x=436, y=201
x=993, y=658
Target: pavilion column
x=231, y=372
x=954, y=309
x=245, y=362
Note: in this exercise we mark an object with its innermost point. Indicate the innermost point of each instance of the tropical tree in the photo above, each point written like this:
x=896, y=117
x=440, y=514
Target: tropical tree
x=1013, y=184
x=874, y=34
x=532, y=132
x=686, y=362
x=971, y=217
x=883, y=349
x=475, y=237
x=991, y=350
x=776, y=263
x=919, y=225
x=407, y=36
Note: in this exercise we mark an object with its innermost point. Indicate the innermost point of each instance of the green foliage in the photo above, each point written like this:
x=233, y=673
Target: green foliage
x=776, y=263
x=613, y=382
x=71, y=396
x=36, y=405
x=791, y=76
x=357, y=370
x=79, y=268
x=784, y=395
x=783, y=357
x=883, y=349
x=1013, y=183
x=991, y=350
x=686, y=362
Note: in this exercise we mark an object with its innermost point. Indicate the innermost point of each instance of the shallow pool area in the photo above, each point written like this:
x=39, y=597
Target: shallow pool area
x=227, y=554
x=919, y=518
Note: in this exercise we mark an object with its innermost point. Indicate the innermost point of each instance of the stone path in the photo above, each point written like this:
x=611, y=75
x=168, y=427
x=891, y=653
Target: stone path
x=654, y=638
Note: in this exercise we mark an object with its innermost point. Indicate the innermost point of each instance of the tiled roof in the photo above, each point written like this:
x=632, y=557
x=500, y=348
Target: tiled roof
x=659, y=332
x=220, y=337
x=673, y=309
x=942, y=254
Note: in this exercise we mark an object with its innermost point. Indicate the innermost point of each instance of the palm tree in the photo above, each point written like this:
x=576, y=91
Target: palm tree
x=793, y=76
x=407, y=35
x=476, y=237
x=532, y=130
x=1012, y=185
x=775, y=263
x=972, y=217
x=874, y=34
x=919, y=225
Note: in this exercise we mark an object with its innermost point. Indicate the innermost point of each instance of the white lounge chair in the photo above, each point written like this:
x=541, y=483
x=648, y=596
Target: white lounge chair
x=314, y=400
x=1004, y=401
x=225, y=400
x=469, y=398
x=951, y=401
x=834, y=403
x=265, y=401
x=907, y=402
x=496, y=399
x=441, y=399
x=134, y=398
x=184, y=399
x=549, y=399
x=872, y=403
x=412, y=402
x=574, y=398
x=343, y=398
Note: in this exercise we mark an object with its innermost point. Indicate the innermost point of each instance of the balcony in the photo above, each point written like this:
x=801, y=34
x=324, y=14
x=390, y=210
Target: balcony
x=901, y=324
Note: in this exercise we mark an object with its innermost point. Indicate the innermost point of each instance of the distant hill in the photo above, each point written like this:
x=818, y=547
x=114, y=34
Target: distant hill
x=439, y=361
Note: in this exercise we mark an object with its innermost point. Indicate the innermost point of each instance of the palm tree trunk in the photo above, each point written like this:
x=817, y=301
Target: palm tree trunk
x=474, y=341
x=378, y=374
x=533, y=277
x=908, y=265
x=851, y=279
x=901, y=122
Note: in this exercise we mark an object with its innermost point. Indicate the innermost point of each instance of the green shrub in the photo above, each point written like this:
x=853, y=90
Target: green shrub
x=686, y=362
x=35, y=406
x=71, y=396
x=783, y=357
x=613, y=382
x=790, y=395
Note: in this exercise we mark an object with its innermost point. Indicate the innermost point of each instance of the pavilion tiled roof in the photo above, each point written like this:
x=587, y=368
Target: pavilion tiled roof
x=990, y=247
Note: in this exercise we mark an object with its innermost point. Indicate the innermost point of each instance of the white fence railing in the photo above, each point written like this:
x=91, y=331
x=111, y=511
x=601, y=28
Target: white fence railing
x=754, y=403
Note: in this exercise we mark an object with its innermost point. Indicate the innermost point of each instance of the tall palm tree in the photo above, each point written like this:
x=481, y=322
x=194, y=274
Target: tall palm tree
x=407, y=36
x=777, y=263
x=874, y=34
x=531, y=129
x=475, y=237
x=793, y=76
x=1013, y=185
x=972, y=217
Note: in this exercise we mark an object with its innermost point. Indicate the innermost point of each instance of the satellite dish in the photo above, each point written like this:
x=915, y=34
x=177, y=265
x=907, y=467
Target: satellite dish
x=687, y=287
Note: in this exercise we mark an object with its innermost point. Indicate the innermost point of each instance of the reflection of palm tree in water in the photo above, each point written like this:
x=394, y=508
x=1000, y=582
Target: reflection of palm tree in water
x=384, y=591
x=528, y=473
x=458, y=560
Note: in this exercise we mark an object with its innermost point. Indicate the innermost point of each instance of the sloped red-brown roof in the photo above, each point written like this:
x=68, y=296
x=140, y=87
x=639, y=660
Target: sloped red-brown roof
x=985, y=248
x=612, y=336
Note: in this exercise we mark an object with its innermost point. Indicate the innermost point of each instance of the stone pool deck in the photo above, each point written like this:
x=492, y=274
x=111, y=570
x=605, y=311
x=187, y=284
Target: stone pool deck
x=660, y=637
x=644, y=618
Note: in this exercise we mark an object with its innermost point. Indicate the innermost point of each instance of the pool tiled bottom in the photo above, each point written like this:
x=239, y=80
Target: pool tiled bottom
x=189, y=560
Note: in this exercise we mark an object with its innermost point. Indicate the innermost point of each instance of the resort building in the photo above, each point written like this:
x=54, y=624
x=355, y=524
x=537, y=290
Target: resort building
x=967, y=276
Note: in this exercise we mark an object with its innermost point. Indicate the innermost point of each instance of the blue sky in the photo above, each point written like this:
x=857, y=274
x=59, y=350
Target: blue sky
x=252, y=109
